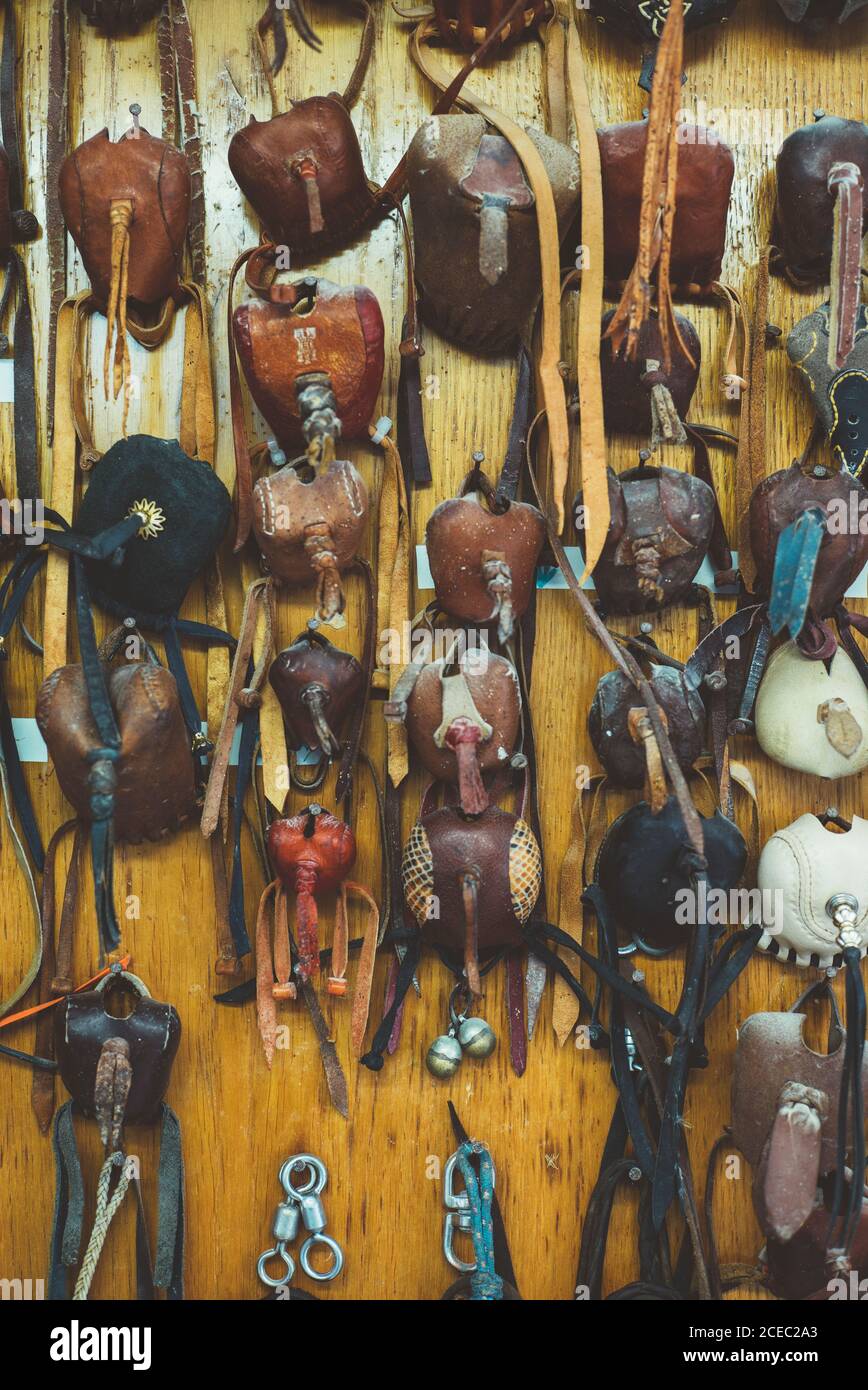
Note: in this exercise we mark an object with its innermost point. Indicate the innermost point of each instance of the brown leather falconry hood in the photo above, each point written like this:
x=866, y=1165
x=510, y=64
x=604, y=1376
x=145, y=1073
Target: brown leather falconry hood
x=156, y=790
x=462, y=718
x=661, y=523
x=483, y=562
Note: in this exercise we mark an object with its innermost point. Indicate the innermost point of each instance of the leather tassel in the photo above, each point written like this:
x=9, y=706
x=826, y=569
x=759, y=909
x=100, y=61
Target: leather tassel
x=307, y=173
x=516, y=1016
x=498, y=582
x=845, y=184
x=284, y=988
x=266, y=1007
x=463, y=738
x=116, y=313
x=365, y=970
x=337, y=984
x=471, y=933
x=307, y=918
x=657, y=214
x=666, y=423
x=227, y=962
x=320, y=550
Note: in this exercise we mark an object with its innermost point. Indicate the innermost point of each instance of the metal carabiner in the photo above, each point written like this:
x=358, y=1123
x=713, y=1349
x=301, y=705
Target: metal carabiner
x=282, y=1253
x=458, y=1215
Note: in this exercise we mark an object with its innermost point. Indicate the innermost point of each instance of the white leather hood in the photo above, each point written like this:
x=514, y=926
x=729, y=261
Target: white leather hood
x=802, y=868
x=792, y=713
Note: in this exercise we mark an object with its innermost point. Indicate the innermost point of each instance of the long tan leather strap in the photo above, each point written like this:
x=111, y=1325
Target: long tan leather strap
x=62, y=491
x=549, y=244
x=751, y=458
x=595, y=487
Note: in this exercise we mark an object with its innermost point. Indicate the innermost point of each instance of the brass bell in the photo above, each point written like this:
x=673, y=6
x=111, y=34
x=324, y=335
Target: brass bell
x=444, y=1056
x=477, y=1039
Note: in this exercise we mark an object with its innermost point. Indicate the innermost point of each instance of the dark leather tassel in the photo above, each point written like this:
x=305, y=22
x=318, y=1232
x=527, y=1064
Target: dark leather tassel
x=469, y=888
x=412, y=445
x=373, y=1059
x=850, y=1113
x=845, y=184
x=515, y=1012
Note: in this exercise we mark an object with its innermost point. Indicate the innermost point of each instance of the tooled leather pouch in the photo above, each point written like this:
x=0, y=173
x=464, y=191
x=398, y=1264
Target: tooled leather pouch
x=485, y=875
x=632, y=386
x=813, y=886
x=302, y=170
x=155, y=788
x=309, y=521
x=475, y=228
x=188, y=510
x=116, y=17
x=705, y=173
x=812, y=715
x=613, y=730
x=660, y=528
x=643, y=865
x=151, y=1034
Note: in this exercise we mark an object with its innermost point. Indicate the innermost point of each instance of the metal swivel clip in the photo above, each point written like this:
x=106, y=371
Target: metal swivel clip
x=459, y=1214
x=302, y=1207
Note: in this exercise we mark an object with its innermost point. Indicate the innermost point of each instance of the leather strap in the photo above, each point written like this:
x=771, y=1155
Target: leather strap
x=554, y=39
x=178, y=77
x=846, y=186
x=549, y=243
x=751, y=460
x=24, y=377
x=595, y=486
x=56, y=127
x=260, y=592
x=657, y=215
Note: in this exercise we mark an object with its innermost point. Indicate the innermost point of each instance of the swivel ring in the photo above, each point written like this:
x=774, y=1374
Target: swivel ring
x=279, y=1252
x=316, y=1180
x=337, y=1264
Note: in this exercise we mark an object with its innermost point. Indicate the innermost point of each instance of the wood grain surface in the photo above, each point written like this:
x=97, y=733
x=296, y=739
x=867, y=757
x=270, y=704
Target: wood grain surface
x=545, y=1130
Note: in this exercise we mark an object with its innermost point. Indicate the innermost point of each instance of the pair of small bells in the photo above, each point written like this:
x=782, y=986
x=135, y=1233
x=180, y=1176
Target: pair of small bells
x=467, y=1037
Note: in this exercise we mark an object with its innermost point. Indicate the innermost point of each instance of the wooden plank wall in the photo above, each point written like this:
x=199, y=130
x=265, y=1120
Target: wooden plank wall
x=545, y=1130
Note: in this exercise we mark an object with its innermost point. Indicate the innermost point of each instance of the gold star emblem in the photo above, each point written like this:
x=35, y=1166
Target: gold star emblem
x=155, y=518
